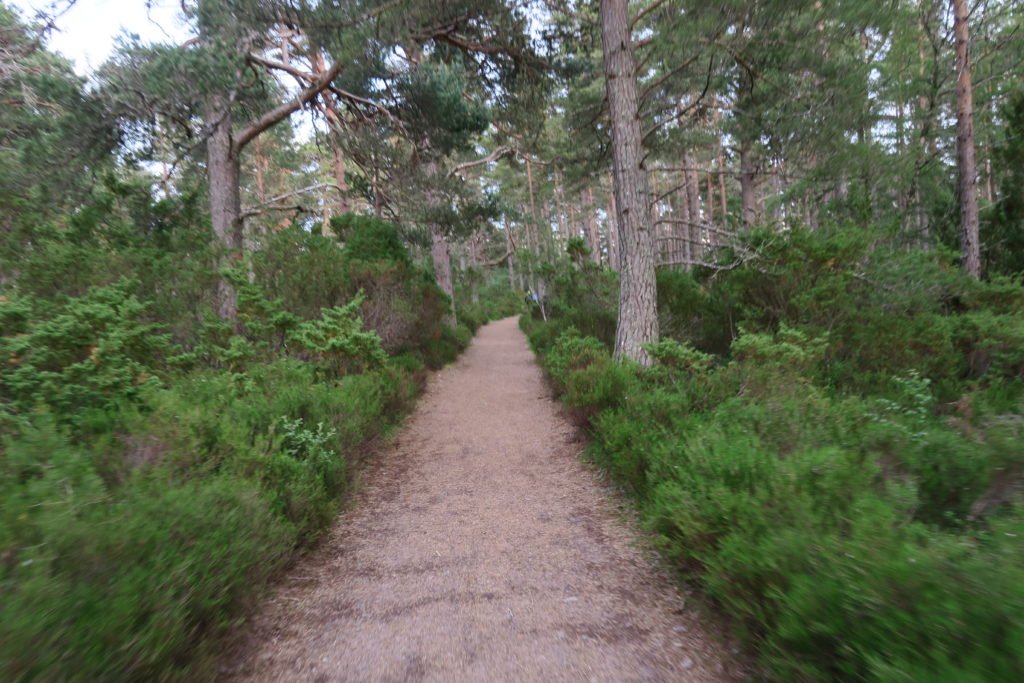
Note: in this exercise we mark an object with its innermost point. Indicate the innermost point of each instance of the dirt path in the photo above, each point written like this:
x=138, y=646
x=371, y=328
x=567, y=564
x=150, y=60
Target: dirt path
x=480, y=548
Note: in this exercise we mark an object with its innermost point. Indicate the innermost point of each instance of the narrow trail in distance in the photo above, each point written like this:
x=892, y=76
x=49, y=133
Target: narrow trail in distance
x=480, y=548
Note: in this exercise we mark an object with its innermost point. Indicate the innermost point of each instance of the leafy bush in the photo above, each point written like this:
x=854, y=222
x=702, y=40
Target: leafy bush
x=302, y=274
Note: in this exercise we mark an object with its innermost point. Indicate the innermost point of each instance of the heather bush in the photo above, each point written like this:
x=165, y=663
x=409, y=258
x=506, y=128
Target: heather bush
x=158, y=465
x=853, y=526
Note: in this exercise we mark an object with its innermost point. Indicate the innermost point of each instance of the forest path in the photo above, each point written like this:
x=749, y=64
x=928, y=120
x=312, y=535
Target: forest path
x=480, y=548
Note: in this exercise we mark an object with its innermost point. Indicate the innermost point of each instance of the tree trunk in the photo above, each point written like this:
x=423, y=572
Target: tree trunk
x=510, y=261
x=724, y=204
x=223, y=172
x=778, y=211
x=440, y=256
x=638, y=311
x=260, y=164
x=681, y=212
x=561, y=214
x=748, y=196
x=344, y=206
x=442, y=261
x=692, y=185
x=970, y=247
x=720, y=163
x=593, y=238
x=710, y=201
x=612, y=231
x=655, y=203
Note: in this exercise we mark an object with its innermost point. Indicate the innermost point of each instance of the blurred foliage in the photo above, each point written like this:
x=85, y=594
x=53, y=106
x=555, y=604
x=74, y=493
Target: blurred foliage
x=828, y=445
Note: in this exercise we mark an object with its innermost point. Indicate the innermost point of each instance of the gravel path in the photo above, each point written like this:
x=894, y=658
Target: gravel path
x=480, y=548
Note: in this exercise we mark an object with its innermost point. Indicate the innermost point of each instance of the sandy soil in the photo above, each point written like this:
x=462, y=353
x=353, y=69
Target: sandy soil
x=480, y=548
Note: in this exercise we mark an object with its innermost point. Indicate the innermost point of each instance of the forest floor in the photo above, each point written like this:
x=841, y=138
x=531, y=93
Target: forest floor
x=480, y=547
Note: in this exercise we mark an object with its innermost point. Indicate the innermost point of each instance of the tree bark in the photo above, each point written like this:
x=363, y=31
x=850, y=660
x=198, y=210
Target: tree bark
x=724, y=204
x=224, y=150
x=612, y=231
x=223, y=171
x=748, y=195
x=510, y=261
x=711, y=197
x=440, y=255
x=442, y=262
x=261, y=164
x=683, y=230
x=560, y=215
x=638, y=311
x=970, y=246
x=337, y=124
x=692, y=185
x=593, y=238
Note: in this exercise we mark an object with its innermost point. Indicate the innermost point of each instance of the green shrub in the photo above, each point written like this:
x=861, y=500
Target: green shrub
x=446, y=346
x=125, y=552
x=368, y=238
x=338, y=342
x=91, y=352
x=157, y=464
x=848, y=537
x=103, y=585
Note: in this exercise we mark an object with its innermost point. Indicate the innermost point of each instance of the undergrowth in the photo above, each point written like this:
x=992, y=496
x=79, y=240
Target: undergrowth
x=155, y=473
x=844, y=488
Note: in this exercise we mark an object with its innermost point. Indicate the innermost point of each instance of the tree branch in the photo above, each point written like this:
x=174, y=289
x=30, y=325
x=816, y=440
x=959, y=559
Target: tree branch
x=497, y=261
x=644, y=12
x=278, y=114
x=281, y=66
x=498, y=153
x=268, y=205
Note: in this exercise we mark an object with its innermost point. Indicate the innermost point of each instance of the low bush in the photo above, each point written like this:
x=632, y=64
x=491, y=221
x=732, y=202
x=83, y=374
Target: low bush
x=849, y=538
x=154, y=476
x=479, y=301
x=123, y=553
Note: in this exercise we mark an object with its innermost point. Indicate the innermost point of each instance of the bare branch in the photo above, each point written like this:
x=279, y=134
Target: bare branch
x=269, y=204
x=645, y=11
x=498, y=153
x=278, y=114
x=353, y=98
x=281, y=66
x=497, y=261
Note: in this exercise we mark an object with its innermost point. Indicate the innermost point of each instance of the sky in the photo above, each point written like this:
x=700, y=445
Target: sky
x=85, y=33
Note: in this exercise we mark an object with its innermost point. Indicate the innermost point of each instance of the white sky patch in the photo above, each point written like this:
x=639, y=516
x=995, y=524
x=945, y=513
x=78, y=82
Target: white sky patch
x=86, y=33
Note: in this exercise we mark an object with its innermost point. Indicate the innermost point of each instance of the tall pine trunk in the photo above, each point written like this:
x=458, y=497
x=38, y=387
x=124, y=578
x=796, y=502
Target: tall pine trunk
x=440, y=255
x=692, y=186
x=970, y=246
x=748, y=196
x=593, y=238
x=442, y=262
x=638, y=312
x=612, y=230
x=223, y=171
x=510, y=261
